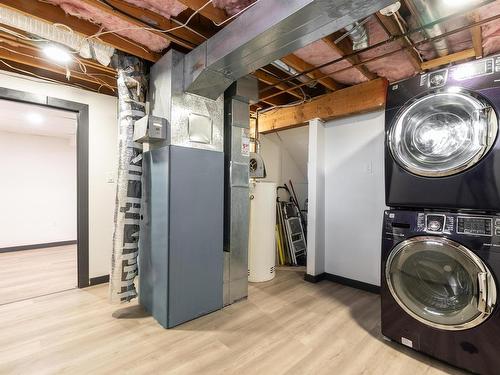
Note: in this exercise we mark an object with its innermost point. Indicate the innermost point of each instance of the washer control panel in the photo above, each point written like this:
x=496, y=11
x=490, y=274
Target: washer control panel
x=480, y=226
x=436, y=223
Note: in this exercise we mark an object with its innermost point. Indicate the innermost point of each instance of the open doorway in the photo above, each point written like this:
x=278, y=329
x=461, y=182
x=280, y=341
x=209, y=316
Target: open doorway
x=285, y=155
x=40, y=248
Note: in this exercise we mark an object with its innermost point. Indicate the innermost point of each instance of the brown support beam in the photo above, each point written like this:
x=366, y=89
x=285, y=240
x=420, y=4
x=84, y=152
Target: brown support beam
x=362, y=98
x=110, y=12
x=344, y=48
x=54, y=14
x=300, y=65
x=32, y=57
x=392, y=27
x=154, y=19
x=271, y=80
x=210, y=12
x=477, y=37
x=444, y=60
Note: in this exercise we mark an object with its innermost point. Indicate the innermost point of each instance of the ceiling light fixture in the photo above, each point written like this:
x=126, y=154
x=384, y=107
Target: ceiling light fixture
x=34, y=118
x=57, y=54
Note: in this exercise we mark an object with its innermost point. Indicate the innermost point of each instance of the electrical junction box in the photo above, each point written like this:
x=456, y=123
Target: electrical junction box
x=150, y=129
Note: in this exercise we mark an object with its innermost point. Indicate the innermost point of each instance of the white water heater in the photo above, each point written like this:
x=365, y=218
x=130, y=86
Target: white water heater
x=261, y=249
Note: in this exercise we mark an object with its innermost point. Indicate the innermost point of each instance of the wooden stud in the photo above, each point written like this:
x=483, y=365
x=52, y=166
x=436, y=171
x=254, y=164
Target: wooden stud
x=444, y=60
x=109, y=11
x=391, y=26
x=151, y=18
x=300, y=65
x=476, y=34
x=345, y=48
x=271, y=80
x=362, y=98
x=210, y=12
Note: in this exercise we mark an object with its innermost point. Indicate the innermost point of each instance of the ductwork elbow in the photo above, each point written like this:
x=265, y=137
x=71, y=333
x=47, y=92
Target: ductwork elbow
x=359, y=36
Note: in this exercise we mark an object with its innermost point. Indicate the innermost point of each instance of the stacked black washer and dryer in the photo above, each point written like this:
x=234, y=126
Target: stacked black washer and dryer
x=441, y=236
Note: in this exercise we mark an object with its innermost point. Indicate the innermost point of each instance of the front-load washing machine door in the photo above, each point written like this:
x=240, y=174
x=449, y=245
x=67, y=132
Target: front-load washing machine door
x=440, y=283
x=443, y=133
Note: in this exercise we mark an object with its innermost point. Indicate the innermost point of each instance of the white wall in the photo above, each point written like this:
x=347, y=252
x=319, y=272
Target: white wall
x=38, y=189
x=354, y=196
x=103, y=134
x=285, y=157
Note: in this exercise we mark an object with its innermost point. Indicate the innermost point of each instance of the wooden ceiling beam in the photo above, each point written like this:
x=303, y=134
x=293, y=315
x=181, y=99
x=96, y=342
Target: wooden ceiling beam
x=365, y=97
x=344, y=48
x=391, y=26
x=28, y=53
x=212, y=13
x=300, y=65
x=151, y=18
x=111, y=12
x=14, y=53
x=445, y=60
x=476, y=34
x=271, y=80
x=54, y=14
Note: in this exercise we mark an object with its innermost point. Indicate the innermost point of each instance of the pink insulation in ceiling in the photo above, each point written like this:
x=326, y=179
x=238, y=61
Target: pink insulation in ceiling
x=320, y=52
x=166, y=8
x=153, y=42
x=394, y=67
x=232, y=6
x=490, y=31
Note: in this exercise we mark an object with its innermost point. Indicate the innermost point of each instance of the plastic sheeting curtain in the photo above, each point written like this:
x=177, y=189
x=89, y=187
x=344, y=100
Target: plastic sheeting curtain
x=132, y=87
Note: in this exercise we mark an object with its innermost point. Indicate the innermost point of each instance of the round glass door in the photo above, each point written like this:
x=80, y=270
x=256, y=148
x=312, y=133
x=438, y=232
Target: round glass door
x=440, y=283
x=443, y=133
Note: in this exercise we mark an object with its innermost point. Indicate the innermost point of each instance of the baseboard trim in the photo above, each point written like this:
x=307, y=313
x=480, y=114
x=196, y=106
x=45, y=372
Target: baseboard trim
x=37, y=246
x=344, y=281
x=315, y=278
x=99, y=280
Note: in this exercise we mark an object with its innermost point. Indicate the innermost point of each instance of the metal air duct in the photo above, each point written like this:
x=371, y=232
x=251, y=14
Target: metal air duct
x=358, y=34
x=426, y=13
x=264, y=33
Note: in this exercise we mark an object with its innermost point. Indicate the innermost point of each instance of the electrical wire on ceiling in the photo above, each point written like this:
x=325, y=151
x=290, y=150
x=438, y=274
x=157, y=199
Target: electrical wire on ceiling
x=41, y=79
x=183, y=25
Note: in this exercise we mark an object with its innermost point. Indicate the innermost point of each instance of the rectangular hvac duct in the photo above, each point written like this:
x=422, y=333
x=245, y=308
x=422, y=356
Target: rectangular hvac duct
x=266, y=32
x=236, y=190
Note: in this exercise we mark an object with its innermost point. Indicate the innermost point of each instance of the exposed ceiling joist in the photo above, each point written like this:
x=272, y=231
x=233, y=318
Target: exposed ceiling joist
x=31, y=57
x=344, y=48
x=212, y=13
x=476, y=34
x=391, y=26
x=362, y=98
x=55, y=14
x=154, y=19
x=444, y=60
x=300, y=65
x=271, y=80
x=111, y=12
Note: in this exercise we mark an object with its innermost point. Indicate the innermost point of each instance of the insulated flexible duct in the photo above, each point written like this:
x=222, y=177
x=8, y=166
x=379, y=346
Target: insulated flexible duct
x=132, y=86
x=89, y=49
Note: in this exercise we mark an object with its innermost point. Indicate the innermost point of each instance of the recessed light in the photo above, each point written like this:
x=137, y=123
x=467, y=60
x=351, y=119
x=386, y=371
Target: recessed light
x=35, y=118
x=57, y=54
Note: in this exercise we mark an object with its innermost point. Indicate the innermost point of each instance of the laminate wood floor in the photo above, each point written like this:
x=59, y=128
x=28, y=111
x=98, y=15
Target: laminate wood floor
x=287, y=326
x=32, y=273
